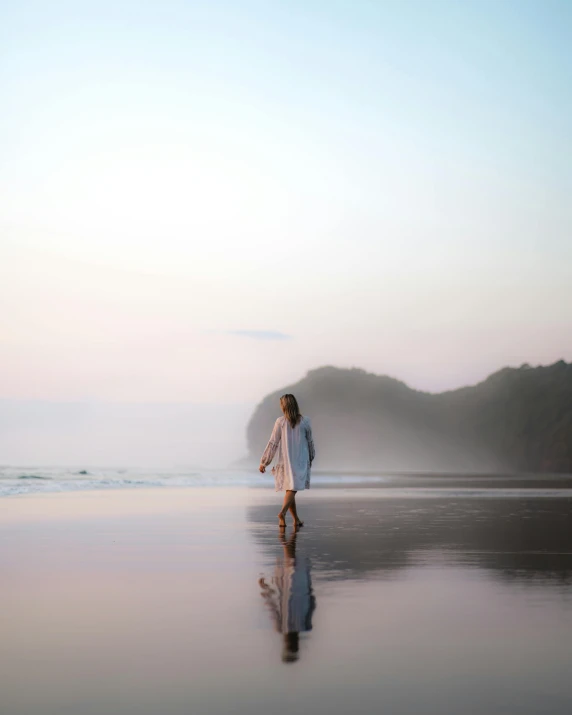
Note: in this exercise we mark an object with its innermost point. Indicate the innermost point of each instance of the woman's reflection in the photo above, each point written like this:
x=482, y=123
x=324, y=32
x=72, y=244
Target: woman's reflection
x=289, y=597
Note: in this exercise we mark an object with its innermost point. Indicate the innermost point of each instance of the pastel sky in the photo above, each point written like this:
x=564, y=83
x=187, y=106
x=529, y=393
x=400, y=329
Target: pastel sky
x=200, y=201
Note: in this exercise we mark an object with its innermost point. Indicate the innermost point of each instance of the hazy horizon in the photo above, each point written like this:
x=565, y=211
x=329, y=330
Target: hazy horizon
x=106, y=434
x=101, y=433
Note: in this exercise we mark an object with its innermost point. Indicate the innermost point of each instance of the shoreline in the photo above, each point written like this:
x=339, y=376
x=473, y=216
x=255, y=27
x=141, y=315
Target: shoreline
x=439, y=484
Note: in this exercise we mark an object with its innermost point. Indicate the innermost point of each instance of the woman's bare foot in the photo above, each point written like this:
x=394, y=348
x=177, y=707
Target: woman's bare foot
x=281, y=521
x=299, y=524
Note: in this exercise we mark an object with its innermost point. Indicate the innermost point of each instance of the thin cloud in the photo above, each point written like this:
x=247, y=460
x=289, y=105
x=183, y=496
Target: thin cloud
x=260, y=334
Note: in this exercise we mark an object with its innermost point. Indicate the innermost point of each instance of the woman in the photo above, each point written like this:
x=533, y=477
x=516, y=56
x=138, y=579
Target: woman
x=292, y=439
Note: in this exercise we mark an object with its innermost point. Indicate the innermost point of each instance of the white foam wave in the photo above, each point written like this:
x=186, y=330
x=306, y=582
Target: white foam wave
x=16, y=481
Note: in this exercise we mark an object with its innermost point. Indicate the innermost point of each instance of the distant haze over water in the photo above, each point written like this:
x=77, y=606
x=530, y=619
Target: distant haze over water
x=107, y=434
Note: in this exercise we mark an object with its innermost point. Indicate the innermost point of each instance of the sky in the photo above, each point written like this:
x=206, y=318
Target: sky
x=201, y=201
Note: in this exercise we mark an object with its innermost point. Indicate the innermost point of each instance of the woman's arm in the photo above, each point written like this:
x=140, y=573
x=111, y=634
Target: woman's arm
x=271, y=447
x=311, y=450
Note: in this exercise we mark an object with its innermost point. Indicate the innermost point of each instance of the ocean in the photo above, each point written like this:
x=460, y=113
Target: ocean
x=16, y=481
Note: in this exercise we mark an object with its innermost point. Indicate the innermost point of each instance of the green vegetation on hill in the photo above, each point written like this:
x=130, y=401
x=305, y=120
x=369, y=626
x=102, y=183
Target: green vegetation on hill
x=517, y=420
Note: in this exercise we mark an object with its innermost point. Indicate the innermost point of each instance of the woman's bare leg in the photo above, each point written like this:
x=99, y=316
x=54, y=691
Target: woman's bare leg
x=288, y=499
x=294, y=513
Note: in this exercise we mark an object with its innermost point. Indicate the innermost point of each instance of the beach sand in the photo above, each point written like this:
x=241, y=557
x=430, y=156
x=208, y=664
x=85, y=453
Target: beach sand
x=150, y=601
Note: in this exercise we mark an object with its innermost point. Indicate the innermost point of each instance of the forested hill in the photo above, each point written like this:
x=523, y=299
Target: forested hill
x=517, y=420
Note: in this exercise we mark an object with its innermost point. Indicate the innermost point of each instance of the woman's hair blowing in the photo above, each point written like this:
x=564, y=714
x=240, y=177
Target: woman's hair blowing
x=290, y=408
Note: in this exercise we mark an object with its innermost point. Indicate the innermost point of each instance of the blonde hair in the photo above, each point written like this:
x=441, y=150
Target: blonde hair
x=290, y=408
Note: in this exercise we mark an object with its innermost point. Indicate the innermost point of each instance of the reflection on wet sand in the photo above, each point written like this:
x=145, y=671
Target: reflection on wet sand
x=515, y=539
x=289, y=597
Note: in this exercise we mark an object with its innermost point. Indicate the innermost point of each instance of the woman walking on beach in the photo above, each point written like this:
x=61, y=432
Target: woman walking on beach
x=292, y=440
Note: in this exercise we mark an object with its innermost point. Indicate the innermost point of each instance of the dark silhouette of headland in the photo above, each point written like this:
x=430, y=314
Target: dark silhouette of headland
x=517, y=420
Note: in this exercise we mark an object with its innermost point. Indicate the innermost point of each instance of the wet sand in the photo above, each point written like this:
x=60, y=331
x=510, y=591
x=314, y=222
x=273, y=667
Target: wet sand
x=190, y=601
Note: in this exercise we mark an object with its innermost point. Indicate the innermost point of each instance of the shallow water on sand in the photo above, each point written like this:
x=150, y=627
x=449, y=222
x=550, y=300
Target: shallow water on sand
x=191, y=601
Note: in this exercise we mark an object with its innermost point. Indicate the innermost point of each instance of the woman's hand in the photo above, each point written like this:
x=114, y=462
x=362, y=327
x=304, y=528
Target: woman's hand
x=262, y=469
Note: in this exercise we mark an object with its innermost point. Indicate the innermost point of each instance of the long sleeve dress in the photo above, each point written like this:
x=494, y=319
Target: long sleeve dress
x=294, y=451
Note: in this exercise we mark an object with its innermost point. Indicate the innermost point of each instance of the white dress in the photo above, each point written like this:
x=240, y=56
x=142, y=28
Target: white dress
x=294, y=450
